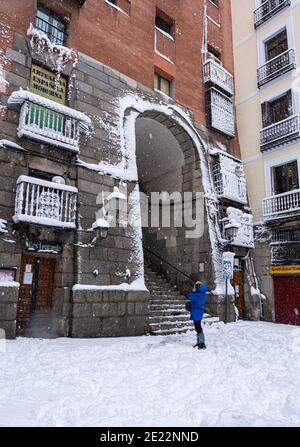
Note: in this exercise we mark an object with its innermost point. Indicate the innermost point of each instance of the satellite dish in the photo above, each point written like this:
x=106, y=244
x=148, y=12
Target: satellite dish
x=58, y=179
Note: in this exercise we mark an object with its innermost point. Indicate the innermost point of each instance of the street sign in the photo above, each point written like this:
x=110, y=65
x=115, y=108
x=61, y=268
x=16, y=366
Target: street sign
x=228, y=263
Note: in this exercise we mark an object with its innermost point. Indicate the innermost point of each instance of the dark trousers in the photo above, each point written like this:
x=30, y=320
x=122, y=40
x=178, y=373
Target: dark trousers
x=198, y=327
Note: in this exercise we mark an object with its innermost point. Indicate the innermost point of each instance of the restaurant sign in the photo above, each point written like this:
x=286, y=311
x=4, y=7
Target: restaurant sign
x=284, y=269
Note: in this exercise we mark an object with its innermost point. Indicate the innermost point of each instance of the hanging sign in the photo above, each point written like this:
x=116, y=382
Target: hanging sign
x=45, y=83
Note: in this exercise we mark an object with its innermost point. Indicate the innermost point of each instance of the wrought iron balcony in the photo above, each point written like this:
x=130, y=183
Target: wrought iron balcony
x=282, y=205
x=276, y=67
x=285, y=246
x=45, y=203
x=220, y=112
x=229, y=178
x=280, y=133
x=48, y=121
x=215, y=74
x=268, y=9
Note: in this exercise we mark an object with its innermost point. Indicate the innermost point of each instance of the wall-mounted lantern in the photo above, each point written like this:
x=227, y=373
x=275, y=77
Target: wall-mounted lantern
x=100, y=228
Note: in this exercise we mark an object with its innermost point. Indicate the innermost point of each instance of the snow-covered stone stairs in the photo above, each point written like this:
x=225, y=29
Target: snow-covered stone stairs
x=167, y=314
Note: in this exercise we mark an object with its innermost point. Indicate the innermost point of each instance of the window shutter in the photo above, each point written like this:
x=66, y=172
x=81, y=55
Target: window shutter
x=265, y=110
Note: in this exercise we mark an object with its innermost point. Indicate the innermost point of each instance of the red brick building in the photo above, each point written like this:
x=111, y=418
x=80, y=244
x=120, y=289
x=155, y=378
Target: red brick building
x=115, y=93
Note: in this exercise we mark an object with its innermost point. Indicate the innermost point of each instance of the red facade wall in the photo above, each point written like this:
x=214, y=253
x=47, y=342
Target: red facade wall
x=126, y=42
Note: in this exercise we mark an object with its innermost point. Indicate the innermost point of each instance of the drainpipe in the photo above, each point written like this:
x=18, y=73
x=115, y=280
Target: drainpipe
x=249, y=258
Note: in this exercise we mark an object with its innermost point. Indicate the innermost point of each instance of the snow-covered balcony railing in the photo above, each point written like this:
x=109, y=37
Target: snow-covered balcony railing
x=164, y=45
x=268, y=9
x=285, y=246
x=220, y=112
x=48, y=121
x=276, y=67
x=282, y=205
x=280, y=133
x=243, y=225
x=46, y=203
x=229, y=178
x=217, y=75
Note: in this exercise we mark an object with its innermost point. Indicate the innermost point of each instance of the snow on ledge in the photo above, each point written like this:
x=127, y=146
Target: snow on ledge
x=116, y=7
x=11, y=144
x=137, y=285
x=20, y=96
x=9, y=284
x=46, y=183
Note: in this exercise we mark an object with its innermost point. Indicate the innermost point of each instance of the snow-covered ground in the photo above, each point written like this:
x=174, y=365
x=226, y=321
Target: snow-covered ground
x=248, y=376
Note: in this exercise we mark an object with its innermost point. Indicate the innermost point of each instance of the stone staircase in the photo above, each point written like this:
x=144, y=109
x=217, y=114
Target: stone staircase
x=167, y=314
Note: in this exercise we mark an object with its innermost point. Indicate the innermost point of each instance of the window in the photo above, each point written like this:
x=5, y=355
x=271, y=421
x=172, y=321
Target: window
x=162, y=84
x=277, y=110
x=41, y=174
x=277, y=45
x=164, y=23
x=51, y=24
x=285, y=177
x=120, y=5
x=215, y=2
x=212, y=53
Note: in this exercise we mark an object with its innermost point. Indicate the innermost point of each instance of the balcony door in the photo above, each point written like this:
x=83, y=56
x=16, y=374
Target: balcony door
x=278, y=109
x=276, y=45
x=34, y=318
x=285, y=178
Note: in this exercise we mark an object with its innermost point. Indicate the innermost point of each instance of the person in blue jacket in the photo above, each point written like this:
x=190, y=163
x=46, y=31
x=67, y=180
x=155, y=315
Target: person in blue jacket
x=197, y=296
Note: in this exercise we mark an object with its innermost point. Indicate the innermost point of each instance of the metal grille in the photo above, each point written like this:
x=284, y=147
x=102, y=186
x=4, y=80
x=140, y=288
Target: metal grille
x=276, y=67
x=268, y=9
x=51, y=24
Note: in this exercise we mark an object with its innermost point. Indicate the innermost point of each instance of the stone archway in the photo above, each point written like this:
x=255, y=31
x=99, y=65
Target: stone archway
x=198, y=176
x=167, y=172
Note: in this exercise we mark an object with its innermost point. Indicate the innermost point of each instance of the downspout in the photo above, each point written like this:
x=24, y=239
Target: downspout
x=249, y=258
x=204, y=48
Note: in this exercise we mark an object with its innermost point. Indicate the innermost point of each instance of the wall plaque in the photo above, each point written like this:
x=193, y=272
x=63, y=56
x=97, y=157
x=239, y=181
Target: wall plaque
x=42, y=82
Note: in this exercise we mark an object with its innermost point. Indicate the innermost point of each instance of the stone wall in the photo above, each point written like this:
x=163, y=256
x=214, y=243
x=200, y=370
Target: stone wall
x=109, y=313
x=8, y=310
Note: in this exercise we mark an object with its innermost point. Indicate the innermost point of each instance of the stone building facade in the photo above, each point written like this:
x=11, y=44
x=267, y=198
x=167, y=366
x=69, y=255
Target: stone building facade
x=101, y=101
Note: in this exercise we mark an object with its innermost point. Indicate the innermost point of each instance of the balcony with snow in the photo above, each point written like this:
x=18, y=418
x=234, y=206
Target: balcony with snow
x=280, y=133
x=285, y=246
x=229, y=177
x=237, y=228
x=276, y=67
x=220, y=112
x=269, y=9
x=45, y=203
x=49, y=122
x=215, y=74
x=281, y=206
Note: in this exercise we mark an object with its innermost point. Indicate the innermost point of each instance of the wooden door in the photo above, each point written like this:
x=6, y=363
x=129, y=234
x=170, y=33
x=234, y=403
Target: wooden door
x=287, y=299
x=238, y=285
x=35, y=296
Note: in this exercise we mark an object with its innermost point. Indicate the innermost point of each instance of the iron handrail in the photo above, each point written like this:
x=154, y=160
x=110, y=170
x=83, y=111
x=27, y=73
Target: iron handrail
x=167, y=262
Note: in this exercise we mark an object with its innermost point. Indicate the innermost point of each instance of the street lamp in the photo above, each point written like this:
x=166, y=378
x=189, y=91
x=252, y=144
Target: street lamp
x=115, y=202
x=100, y=228
x=232, y=230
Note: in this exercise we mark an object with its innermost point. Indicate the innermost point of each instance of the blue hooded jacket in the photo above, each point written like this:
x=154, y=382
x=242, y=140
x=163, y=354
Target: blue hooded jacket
x=197, y=299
